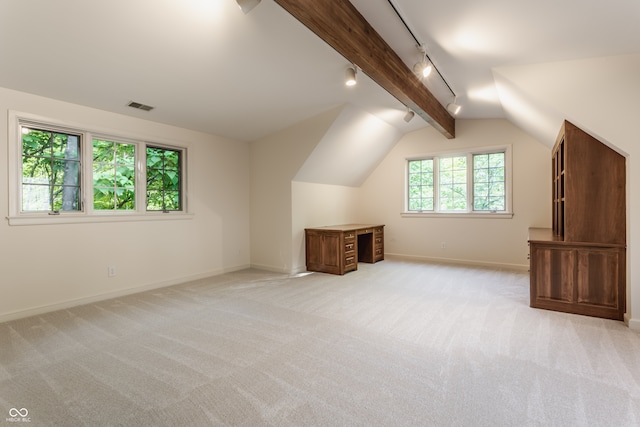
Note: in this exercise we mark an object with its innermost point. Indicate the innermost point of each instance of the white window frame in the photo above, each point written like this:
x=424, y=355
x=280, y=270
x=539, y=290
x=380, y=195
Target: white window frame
x=87, y=214
x=469, y=212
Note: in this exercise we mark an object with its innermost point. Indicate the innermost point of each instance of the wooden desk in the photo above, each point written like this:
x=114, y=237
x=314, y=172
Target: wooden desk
x=337, y=249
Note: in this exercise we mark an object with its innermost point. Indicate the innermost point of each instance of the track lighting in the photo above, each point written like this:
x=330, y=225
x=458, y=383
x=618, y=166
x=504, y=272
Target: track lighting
x=409, y=116
x=423, y=67
x=247, y=5
x=453, y=107
x=350, y=76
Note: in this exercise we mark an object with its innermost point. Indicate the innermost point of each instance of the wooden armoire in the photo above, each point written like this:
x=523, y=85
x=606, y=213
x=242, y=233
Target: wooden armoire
x=579, y=266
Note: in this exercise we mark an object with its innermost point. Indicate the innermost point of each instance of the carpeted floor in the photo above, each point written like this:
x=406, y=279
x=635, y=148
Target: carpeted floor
x=395, y=343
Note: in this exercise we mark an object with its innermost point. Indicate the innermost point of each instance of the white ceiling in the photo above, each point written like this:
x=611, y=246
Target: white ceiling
x=206, y=66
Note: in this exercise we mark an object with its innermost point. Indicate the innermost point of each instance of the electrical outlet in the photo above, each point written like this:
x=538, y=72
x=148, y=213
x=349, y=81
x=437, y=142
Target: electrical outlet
x=111, y=271
x=443, y=245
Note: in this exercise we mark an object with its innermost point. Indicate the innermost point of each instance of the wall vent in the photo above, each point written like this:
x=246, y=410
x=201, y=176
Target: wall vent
x=140, y=106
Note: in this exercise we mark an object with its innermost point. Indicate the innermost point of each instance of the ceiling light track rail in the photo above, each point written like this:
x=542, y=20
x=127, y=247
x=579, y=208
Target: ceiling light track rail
x=420, y=45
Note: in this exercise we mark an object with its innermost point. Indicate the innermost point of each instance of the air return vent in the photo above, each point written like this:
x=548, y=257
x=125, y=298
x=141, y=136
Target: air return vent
x=140, y=106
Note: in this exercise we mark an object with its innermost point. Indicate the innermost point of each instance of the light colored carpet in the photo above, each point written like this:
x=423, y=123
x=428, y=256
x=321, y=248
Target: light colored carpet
x=395, y=343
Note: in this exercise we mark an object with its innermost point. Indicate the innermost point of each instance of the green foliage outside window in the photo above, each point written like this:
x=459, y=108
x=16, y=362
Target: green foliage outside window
x=453, y=183
x=113, y=175
x=164, y=184
x=441, y=183
x=50, y=171
x=421, y=185
x=489, y=182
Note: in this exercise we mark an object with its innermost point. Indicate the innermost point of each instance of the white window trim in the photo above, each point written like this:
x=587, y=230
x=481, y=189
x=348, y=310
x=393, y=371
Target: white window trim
x=87, y=214
x=469, y=212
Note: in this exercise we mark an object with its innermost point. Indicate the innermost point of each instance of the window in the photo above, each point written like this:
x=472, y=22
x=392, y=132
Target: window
x=114, y=175
x=51, y=170
x=60, y=174
x=459, y=183
x=453, y=183
x=489, y=182
x=421, y=196
x=163, y=179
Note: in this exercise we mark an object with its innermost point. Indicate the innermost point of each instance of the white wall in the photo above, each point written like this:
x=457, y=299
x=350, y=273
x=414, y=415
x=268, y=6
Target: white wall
x=43, y=267
x=317, y=205
x=275, y=160
x=469, y=240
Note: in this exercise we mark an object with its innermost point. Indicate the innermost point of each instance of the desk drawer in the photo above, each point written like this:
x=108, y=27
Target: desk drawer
x=350, y=251
x=378, y=244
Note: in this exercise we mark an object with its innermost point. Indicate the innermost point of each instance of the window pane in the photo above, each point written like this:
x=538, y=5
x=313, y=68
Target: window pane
x=103, y=198
x=65, y=198
x=453, y=183
x=489, y=182
x=113, y=175
x=420, y=189
x=125, y=154
x=35, y=198
x=125, y=198
x=154, y=200
x=103, y=151
x=51, y=171
x=164, y=179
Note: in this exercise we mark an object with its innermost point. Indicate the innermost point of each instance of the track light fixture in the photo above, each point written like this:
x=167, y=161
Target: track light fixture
x=247, y=5
x=409, y=116
x=453, y=107
x=351, y=76
x=423, y=67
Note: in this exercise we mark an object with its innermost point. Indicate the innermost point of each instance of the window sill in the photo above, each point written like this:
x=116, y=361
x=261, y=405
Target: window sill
x=487, y=215
x=96, y=218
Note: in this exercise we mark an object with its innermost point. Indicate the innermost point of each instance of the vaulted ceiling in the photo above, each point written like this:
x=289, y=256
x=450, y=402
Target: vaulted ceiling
x=206, y=66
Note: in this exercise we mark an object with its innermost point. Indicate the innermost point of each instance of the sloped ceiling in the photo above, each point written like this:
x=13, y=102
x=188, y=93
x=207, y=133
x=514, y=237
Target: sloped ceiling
x=598, y=94
x=350, y=149
x=206, y=66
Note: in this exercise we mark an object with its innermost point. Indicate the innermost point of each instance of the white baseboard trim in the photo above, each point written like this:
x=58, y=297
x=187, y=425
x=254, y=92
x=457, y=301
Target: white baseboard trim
x=272, y=269
x=35, y=311
x=516, y=267
x=633, y=324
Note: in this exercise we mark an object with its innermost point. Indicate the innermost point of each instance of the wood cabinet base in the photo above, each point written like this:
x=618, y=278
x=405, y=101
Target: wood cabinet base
x=578, y=278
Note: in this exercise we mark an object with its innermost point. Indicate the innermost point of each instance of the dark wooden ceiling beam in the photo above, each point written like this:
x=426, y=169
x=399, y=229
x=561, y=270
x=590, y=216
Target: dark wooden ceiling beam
x=340, y=25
